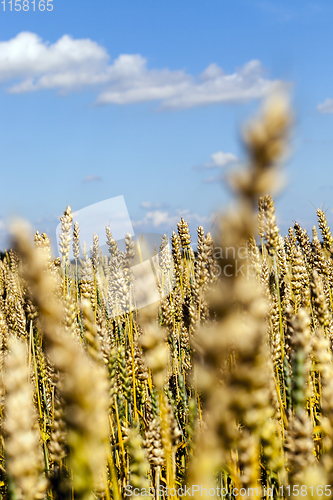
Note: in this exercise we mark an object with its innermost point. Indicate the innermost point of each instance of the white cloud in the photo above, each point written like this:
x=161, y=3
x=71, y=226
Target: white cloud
x=91, y=178
x=326, y=106
x=167, y=220
x=65, y=65
x=149, y=205
x=70, y=64
x=177, y=89
x=146, y=204
x=220, y=160
x=157, y=218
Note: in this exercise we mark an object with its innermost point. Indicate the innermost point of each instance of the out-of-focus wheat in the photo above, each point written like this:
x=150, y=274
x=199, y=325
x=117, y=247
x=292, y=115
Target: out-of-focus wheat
x=226, y=382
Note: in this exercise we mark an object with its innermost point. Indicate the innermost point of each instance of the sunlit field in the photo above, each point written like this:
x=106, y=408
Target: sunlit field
x=221, y=389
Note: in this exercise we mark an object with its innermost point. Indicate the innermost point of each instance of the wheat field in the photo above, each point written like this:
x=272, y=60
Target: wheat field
x=222, y=389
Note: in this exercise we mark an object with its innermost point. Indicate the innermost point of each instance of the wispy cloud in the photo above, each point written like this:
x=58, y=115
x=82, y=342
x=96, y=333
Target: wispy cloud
x=164, y=220
x=326, y=106
x=293, y=12
x=177, y=89
x=213, y=179
x=73, y=64
x=157, y=218
x=282, y=12
x=92, y=178
x=219, y=160
x=148, y=205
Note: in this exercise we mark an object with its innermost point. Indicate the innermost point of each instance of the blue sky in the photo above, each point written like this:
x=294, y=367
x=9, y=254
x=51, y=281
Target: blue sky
x=145, y=99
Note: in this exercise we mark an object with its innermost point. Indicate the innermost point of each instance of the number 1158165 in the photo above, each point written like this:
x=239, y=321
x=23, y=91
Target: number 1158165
x=27, y=5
